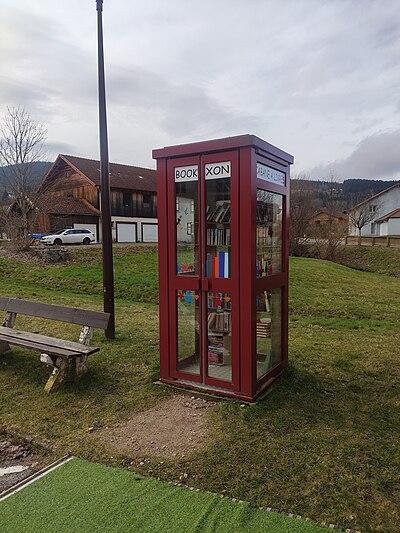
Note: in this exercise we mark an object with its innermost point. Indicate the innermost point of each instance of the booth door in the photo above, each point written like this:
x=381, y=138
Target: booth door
x=203, y=266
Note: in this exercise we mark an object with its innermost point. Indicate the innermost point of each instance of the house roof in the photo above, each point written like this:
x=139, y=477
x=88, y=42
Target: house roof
x=342, y=216
x=121, y=176
x=63, y=205
x=375, y=195
x=393, y=214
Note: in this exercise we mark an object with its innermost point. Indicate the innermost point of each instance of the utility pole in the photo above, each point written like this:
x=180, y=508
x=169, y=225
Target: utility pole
x=106, y=239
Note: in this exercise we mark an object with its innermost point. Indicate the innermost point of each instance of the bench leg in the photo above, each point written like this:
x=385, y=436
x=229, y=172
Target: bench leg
x=4, y=347
x=59, y=375
x=81, y=366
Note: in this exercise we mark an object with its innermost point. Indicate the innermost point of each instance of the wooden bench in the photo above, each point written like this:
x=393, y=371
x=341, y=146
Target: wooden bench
x=69, y=359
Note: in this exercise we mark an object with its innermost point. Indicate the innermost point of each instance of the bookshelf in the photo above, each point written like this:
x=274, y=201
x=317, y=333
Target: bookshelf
x=223, y=265
x=218, y=237
x=219, y=325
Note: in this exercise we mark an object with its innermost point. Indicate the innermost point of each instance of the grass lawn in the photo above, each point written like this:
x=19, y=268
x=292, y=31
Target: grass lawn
x=82, y=496
x=372, y=259
x=323, y=444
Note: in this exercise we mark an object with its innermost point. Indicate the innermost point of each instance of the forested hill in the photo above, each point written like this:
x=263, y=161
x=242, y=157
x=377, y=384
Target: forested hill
x=39, y=169
x=347, y=193
x=355, y=186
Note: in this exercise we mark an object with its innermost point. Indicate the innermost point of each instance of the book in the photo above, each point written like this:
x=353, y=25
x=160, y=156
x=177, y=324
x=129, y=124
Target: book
x=215, y=267
x=221, y=262
x=226, y=262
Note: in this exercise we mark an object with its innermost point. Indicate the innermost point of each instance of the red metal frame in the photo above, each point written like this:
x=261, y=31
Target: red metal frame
x=244, y=152
x=176, y=282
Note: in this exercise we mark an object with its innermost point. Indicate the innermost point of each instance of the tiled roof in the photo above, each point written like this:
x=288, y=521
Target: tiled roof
x=121, y=176
x=63, y=205
x=393, y=214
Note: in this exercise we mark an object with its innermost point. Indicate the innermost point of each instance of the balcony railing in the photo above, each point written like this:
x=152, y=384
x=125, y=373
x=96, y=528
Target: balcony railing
x=131, y=211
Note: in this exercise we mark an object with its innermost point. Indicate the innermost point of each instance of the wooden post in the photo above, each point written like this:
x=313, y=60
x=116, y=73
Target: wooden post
x=106, y=237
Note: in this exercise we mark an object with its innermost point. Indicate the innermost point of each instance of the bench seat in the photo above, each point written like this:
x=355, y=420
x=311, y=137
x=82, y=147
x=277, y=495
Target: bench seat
x=68, y=359
x=45, y=344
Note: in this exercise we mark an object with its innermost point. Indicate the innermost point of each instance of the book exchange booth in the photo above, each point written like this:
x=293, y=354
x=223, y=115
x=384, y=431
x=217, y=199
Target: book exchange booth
x=223, y=208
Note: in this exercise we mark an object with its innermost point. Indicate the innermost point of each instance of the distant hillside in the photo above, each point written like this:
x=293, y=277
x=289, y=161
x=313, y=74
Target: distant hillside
x=348, y=193
x=39, y=169
x=366, y=186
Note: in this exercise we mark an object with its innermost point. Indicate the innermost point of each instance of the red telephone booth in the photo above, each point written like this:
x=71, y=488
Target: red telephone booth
x=223, y=212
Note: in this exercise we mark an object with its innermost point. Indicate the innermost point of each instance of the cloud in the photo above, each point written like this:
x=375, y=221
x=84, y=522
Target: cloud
x=318, y=88
x=178, y=109
x=376, y=156
x=55, y=148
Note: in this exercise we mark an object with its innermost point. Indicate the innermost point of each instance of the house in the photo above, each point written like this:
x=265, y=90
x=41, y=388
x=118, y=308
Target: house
x=377, y=215
x=69, y=196
x=321, y=218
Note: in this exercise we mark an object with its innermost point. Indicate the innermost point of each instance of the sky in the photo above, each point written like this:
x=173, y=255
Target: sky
x=319, y=79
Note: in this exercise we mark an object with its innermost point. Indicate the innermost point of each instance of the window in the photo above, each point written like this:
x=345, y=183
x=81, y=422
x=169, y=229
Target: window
x=372, y=208
x=127, y=199
x=146, y=199
x=269, y=233
x=268, y=330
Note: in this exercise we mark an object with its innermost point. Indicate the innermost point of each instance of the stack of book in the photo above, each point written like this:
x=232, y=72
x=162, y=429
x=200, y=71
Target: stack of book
x=263, y=328
x=217, y=265
x=215, y=349
x=263, y=266
x=219, y=213
x=220, y=322
x=218, y=236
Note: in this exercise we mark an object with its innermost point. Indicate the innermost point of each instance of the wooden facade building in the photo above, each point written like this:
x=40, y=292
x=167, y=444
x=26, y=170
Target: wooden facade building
x=69, y=196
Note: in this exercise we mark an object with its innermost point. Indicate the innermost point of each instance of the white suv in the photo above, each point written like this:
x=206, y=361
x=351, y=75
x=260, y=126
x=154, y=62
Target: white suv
x=69, y=236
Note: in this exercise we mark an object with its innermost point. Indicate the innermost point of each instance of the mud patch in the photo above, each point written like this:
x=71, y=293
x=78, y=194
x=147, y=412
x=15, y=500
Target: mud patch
x=173, y=428
x=17, y=462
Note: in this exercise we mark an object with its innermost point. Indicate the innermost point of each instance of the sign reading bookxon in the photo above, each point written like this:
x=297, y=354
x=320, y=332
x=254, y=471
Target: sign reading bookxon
x=215, y=171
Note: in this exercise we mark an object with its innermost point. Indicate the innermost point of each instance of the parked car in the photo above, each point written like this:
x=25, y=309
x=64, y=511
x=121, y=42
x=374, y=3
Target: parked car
x=38, y=236
x=69, y=236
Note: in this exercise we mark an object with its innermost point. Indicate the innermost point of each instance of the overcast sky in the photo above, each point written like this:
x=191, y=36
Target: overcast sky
x=320, y=79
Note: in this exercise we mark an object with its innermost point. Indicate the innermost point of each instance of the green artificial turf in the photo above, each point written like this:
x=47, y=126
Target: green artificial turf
x=87, y=497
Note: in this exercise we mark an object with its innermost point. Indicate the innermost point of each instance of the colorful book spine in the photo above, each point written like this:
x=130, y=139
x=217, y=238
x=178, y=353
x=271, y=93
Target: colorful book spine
x=209, y=267
x=215, y=267
x=226, y=261
x=221, y=264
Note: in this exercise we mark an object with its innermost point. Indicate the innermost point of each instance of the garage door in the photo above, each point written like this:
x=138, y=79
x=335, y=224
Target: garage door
x=91, y=227
x=149, y=233
x=126, y=232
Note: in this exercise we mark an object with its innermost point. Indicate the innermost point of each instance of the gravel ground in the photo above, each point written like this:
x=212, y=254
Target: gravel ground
x=17, y=457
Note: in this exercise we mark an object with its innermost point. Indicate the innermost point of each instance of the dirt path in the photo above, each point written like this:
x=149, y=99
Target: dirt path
x=173, y=428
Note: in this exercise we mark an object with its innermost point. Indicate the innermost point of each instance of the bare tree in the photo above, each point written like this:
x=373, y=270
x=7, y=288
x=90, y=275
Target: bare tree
x=22, y=142
x=362, y=214
x=303, y=205
x=330, y=233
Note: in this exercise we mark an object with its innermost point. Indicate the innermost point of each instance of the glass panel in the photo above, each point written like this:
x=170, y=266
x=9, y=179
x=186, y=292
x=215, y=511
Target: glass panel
x=186, y=194
x=268, y=330
x=218, y=220
x=219, y=335
x=269, y=233
x=188, y=335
